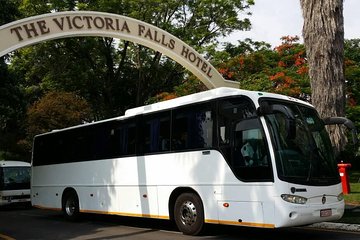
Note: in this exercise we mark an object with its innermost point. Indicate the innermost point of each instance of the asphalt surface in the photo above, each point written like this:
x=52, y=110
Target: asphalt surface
x=32, y=223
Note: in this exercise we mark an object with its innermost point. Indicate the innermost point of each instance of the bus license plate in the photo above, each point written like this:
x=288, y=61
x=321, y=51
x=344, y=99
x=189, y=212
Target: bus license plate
x=325, y=213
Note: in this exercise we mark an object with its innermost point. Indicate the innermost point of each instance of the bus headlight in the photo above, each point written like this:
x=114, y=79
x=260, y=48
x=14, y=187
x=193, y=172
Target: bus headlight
x=340, y=197
x=293, y=198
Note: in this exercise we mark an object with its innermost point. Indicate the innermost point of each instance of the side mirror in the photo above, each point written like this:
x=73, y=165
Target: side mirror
x=346, y=122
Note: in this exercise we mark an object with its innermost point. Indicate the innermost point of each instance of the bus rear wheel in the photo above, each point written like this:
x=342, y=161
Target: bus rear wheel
x=189, y=214
x=70, y=206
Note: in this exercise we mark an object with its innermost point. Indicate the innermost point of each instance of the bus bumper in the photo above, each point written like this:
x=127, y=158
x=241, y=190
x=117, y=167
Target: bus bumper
x=6, y=200
x=303, y=214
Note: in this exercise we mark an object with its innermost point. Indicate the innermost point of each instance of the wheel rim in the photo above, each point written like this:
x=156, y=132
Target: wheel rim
x=188, y=213
x=70, y=207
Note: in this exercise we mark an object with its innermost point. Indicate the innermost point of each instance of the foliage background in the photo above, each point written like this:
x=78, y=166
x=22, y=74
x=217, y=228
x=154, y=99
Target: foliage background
x=65, y=82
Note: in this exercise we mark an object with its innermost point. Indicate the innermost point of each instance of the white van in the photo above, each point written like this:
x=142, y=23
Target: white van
x=14, y=182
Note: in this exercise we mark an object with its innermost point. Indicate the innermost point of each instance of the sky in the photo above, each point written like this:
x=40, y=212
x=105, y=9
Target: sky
x=272, y=19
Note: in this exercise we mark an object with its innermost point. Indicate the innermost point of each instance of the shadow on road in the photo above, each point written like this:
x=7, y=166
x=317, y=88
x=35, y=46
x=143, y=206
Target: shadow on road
x=29, y=223
x=211, y=231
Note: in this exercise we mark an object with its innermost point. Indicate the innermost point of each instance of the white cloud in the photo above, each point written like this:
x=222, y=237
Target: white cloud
x=273, y=19
x=351, y=19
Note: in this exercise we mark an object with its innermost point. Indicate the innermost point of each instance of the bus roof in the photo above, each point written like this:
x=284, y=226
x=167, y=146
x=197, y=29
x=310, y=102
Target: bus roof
x=192, y=98
x=8, y=163
x=207, y=95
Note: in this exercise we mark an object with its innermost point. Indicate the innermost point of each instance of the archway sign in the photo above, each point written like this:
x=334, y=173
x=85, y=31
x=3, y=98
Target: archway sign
x=44, y=27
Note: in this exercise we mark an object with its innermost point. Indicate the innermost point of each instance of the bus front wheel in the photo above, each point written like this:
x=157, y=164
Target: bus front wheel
x=70, y=206
x=189, y=214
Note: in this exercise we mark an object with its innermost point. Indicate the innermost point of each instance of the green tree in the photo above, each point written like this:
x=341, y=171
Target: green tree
x=112, y=75
x=9, y=11
x=12, y=104
x=115, y=75
x=12, y=113
x=56, y=110
x=352, y=77
x=352, y=50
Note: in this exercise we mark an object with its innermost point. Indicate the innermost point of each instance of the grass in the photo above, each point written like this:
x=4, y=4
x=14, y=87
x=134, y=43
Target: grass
x=352, y=213
x=353, y=198
x=354, y=176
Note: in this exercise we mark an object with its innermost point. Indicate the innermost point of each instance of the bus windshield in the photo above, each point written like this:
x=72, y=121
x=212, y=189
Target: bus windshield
x=15, y=178
x=303, y=152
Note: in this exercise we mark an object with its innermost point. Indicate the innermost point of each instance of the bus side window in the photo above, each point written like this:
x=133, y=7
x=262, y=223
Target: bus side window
x=180, y=133
x=127, y=137
x=1, y=178
x=224, y=131
x=156, y=132
x=253, y=150
x=193, y=127
x=242, y=142
x=164, y=138
x=124, y=137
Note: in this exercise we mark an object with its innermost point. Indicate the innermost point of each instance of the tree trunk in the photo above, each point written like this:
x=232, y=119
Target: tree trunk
x=323, y=33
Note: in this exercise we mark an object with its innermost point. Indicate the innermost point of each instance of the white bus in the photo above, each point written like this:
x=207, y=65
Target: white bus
x=224, y=156
x=14, y=182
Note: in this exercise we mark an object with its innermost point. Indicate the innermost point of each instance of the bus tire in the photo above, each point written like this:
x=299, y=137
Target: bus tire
x=189, y=214
x=70, y=206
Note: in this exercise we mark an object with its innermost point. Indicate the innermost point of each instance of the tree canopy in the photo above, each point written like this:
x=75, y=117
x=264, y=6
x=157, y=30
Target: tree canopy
x=112, y=75
x=93, y=78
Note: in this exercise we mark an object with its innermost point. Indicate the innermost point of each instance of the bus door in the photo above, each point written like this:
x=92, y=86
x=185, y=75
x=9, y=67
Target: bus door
x=242, y=140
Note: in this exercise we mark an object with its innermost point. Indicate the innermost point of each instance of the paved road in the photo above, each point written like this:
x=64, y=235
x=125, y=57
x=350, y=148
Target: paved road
x=29, y=223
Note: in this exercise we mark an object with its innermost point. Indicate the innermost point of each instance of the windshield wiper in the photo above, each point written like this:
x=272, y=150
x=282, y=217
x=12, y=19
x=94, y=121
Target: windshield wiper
x=310, y=169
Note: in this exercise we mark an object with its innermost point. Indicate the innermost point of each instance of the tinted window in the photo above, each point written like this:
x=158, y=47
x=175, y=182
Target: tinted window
x=14, y=178
x=242, y=140
x=94, y=142
x=305, y=156
x=124, y=140
x=157, y=133
x=192, y=127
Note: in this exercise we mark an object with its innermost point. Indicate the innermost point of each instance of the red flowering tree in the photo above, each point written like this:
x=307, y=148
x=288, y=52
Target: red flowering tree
x=188, y=86
x=282, y=70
